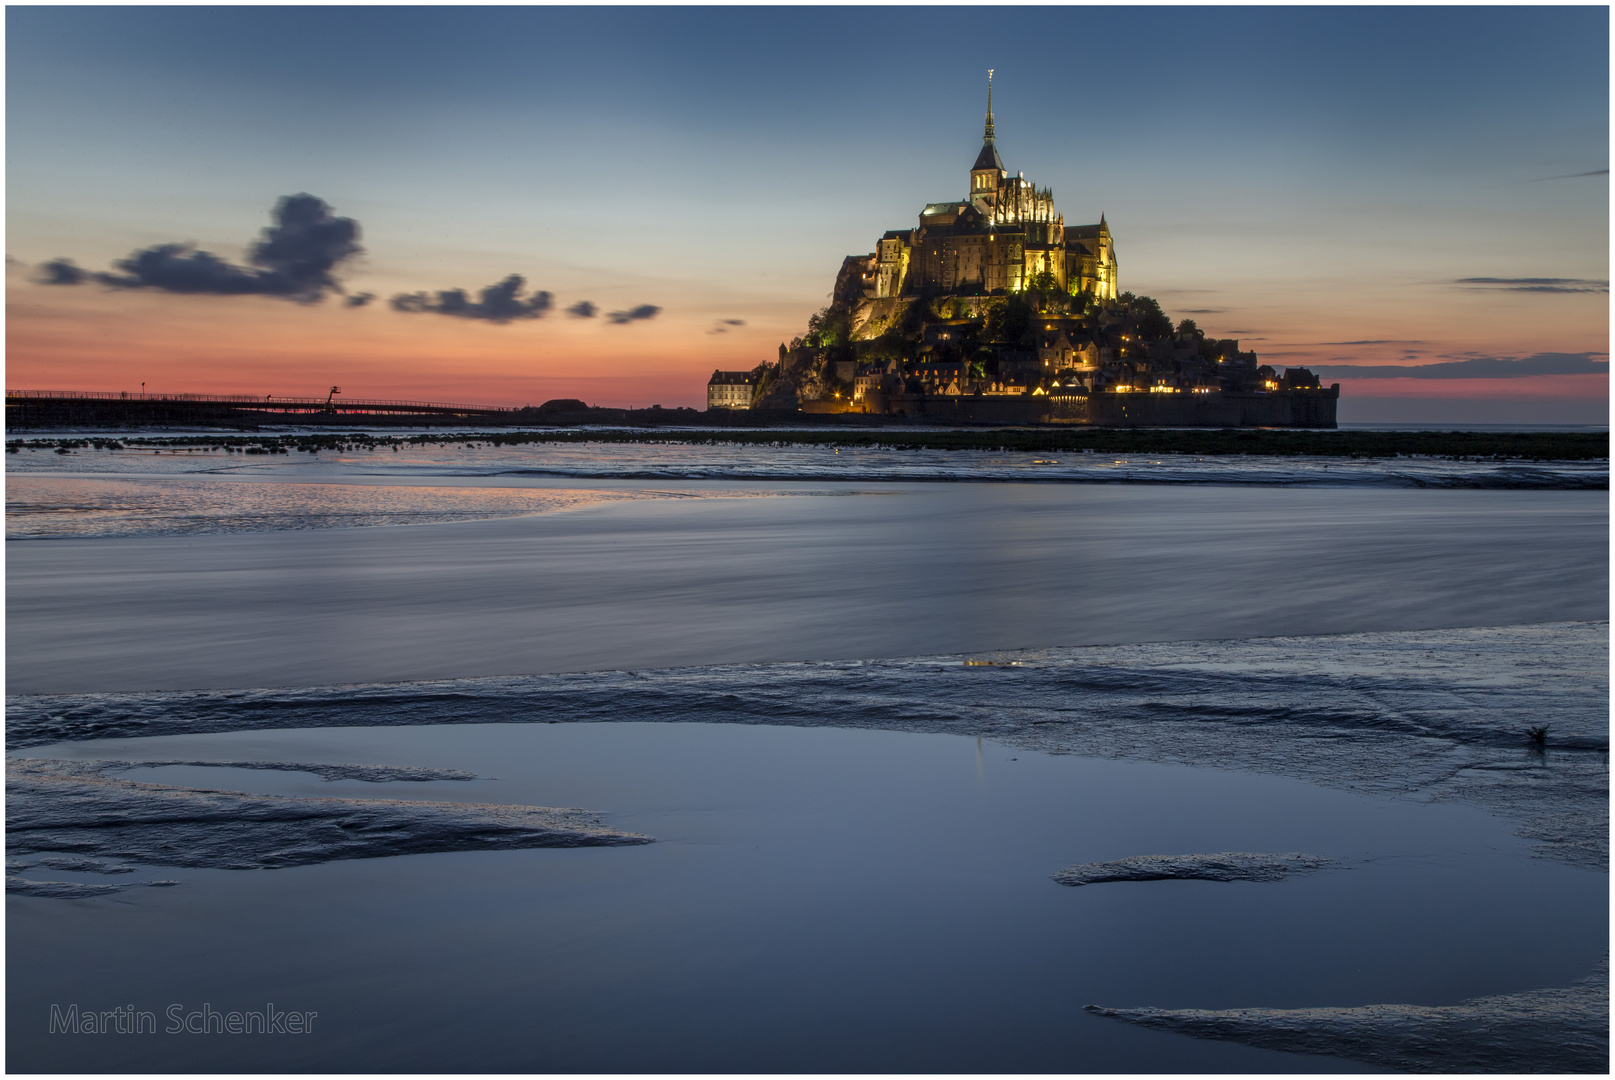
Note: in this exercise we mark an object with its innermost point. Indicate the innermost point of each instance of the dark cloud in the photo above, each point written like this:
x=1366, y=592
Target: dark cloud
x=501, y=303
x=1535, y=284
x=61, y=272
x=304, y=246
x=583, y=310
x=1482, y=367
x=1375, y=341
x=293, y=258
x=358, y=299
x=643, y=311
x=182, y=268
x=722, y=326
x=1204, y=311
x=1572, y=176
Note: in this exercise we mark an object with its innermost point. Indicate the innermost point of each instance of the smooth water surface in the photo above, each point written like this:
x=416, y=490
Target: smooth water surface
x=818, y=900
x=916, y=569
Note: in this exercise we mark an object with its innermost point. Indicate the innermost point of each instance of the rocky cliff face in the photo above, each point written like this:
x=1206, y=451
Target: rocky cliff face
x=801, y=376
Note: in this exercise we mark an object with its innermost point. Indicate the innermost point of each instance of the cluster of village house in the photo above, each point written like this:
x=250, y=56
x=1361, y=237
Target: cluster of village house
x=1074, y=356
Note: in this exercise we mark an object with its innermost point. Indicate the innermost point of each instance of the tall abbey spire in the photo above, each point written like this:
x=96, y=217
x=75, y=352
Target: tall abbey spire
x=988, y=135
x=988, y=161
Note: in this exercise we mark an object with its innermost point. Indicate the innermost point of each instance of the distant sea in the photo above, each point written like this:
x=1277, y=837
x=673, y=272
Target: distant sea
x=277, y=724
x=139, y=489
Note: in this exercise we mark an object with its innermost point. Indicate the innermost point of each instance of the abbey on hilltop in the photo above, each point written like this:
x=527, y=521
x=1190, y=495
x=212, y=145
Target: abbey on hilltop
x=1003, y=237
x=993, y=310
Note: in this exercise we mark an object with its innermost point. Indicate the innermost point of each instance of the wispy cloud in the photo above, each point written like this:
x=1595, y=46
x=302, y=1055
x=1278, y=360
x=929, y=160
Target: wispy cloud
x=583, y=310
x=636, y=314
x=500, y=303
x=1482, y=367
x=722, y=326
x=1571, y=176
x=61, y=272
x=1535, y=284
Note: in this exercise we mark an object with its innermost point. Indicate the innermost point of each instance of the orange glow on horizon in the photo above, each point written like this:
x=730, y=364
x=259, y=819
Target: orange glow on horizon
x=1529, y=386
x=90, y=339
x=87, y=338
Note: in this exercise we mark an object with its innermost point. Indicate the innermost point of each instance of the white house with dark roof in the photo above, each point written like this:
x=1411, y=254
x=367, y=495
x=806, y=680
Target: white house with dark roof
x=730, y=389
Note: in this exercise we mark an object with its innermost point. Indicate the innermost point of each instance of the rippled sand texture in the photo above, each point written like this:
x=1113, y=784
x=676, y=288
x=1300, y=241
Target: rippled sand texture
x=1222, y=866
x=1439, y=714
x=70, y=890
x=1560, y=1030
x=80, y=807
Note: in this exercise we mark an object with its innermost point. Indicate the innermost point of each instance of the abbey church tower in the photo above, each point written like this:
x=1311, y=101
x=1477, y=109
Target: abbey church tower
x=988, y=173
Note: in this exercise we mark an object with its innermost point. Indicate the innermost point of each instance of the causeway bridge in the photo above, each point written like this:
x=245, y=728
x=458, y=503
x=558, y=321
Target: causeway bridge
x=70, y=408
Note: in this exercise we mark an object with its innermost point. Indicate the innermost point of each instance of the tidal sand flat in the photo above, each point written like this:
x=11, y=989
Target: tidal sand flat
x=1289, y=737
x=890, y=886
x=912, y=814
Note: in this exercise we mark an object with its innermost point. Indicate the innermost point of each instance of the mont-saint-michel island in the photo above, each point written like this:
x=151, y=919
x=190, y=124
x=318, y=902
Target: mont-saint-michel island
x=993, y=310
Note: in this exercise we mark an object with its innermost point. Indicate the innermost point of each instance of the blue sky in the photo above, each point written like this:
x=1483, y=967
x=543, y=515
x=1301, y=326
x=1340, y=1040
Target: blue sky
x=1304, y=175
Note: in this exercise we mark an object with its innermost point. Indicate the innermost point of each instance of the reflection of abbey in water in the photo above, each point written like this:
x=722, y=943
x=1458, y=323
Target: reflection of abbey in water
x=1005, y=236
x=993, y=310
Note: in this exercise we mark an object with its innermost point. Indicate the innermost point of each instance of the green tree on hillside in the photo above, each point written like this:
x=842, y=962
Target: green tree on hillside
x=1010, y=321
x=1147, y=315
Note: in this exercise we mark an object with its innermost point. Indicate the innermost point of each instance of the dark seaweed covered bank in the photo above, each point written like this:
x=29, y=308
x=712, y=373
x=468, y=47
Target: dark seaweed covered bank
x=1460, y=445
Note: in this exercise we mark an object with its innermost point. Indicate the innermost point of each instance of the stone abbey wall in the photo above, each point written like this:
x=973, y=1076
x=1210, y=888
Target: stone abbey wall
x=1276, y=408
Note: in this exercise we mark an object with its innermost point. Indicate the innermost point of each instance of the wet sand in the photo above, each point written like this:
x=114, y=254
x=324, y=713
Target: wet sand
x=817, y=899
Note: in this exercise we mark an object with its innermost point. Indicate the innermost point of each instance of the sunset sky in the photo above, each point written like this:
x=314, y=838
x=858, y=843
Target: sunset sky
x=1345, y=187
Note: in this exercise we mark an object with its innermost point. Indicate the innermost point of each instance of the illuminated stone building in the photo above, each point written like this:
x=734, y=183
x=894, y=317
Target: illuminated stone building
x=994, y=310
x=1000, y=238
x=730, y=389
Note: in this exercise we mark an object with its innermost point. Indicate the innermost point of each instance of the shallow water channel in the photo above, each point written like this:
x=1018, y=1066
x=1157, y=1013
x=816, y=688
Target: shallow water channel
x=818, y=900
